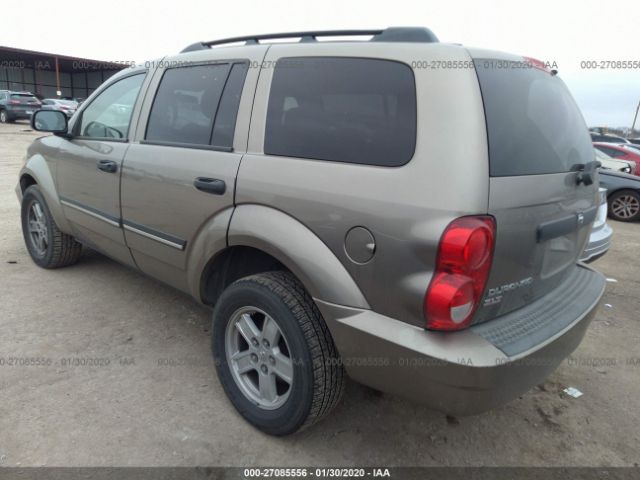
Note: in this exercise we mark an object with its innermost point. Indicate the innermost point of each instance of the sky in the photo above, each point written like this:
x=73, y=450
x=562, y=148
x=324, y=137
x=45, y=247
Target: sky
x=567, y=32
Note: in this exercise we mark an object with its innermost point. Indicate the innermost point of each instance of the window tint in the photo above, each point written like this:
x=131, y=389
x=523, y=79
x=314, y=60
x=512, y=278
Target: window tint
x=109, y=114
x=533, y=124
x=342, y=109
x=225, y=124
x=612, y=152
x=24, y=97
x=190, y=100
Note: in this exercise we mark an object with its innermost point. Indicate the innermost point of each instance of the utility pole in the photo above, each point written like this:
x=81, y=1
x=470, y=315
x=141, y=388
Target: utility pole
x=635, y=118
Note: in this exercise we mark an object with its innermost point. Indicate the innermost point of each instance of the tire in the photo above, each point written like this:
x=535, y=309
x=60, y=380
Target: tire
x=47, y=245
x=4, y=118
x=624, y=205
x=317, y=379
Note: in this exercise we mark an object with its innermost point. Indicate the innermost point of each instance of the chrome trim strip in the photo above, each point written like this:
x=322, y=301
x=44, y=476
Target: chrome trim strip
x=179, y=246
x=89, y=212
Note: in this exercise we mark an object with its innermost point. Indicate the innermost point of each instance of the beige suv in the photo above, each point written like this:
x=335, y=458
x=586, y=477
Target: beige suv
x=317, y=196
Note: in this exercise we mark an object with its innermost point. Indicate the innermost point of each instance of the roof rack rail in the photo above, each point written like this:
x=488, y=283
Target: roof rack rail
x=392, y=34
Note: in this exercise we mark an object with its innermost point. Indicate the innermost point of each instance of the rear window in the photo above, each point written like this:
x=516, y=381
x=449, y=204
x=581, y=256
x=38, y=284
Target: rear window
x=351, y=110
x=24, y=97
x=533, y=124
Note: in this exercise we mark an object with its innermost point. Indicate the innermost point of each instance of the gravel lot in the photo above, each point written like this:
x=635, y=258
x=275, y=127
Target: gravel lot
x=153, y=398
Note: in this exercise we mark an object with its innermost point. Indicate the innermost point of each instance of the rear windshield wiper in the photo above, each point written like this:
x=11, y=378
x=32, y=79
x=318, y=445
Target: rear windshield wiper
x=586, y=172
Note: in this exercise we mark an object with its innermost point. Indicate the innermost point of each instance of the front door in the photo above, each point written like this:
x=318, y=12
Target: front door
x=90, y=163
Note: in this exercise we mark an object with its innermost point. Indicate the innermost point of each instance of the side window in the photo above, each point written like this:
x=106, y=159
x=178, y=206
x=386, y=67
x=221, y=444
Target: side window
x=612, y=152
x=109, y=114
x=228, y=110
x=197, y=105
x=351, y=110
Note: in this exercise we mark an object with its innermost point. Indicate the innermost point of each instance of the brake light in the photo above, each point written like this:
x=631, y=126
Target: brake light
x=14, y=102
x=464, y=259
x=539, y=64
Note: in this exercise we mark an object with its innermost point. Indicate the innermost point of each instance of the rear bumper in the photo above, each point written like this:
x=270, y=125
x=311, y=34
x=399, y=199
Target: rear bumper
x=599, y=243
x=18, y=114
x=470, y=371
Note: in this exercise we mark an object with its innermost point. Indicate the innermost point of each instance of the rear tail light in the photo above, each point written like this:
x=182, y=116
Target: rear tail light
x=14, y=102
x=464, y=259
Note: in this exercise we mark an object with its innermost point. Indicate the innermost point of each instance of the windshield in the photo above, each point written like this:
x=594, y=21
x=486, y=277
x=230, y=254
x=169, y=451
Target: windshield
x=67, y=103
x=601, y=155
x=24, y=96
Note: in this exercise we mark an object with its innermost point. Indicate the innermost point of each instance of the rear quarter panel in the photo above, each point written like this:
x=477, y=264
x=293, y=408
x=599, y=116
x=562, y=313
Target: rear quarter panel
x=406, y=208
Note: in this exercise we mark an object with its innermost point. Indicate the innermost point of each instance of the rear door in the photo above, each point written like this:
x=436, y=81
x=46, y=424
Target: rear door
x=538, y=141
x=181, y=172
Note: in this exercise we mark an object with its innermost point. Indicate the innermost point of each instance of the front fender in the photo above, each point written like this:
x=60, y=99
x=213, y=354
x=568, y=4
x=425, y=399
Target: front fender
x=299, y=249
x=41, y=171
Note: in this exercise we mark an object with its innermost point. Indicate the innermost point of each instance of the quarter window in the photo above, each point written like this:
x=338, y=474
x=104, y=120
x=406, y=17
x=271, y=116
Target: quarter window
x=351, y=110
x=109, y=114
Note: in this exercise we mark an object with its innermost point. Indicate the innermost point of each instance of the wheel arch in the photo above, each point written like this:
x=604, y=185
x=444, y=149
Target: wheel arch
x=231, y=264
x=36, y=171
x=298, y=250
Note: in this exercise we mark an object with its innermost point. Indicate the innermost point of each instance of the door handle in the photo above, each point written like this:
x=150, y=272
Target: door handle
x=210, y=185
x=108, y=166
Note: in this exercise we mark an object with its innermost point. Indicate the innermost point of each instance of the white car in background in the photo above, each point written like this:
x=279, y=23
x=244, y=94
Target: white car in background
x=601, y=232
x=610, y=163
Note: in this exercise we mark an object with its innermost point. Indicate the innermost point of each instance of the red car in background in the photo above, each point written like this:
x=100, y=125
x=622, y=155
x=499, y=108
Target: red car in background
x=621, y=151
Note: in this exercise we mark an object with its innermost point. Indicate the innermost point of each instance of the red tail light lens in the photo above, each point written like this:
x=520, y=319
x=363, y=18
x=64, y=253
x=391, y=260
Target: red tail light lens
x=464, y=259
x=539, y=64
x=14, y=102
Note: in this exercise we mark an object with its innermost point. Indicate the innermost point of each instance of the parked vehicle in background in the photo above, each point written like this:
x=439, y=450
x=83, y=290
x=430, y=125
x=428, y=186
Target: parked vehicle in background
x=623, y=195
x=601, y=233
x=344, y=230
x=601, y=137
x=620, y=152
x=78, y=100
x=17, y=105
x=635, y=141
x=630, y=147
x=68, y=107
x=608, y=163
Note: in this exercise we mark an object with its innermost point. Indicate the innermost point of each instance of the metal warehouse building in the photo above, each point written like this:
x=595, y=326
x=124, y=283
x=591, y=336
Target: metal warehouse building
x=45, y=74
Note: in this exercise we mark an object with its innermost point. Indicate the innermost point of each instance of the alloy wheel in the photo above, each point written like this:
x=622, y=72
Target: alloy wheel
x=37, y=227
x=259, y=358
x=625, y=206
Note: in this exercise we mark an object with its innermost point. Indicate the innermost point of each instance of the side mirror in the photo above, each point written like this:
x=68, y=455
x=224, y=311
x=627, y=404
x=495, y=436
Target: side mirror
x=53, y=121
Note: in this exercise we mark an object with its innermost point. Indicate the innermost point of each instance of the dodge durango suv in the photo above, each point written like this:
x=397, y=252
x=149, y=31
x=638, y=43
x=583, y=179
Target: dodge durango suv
x=311, y=192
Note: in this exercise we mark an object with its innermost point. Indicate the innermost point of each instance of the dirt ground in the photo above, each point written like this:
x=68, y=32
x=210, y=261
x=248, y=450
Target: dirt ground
x=151, y=397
